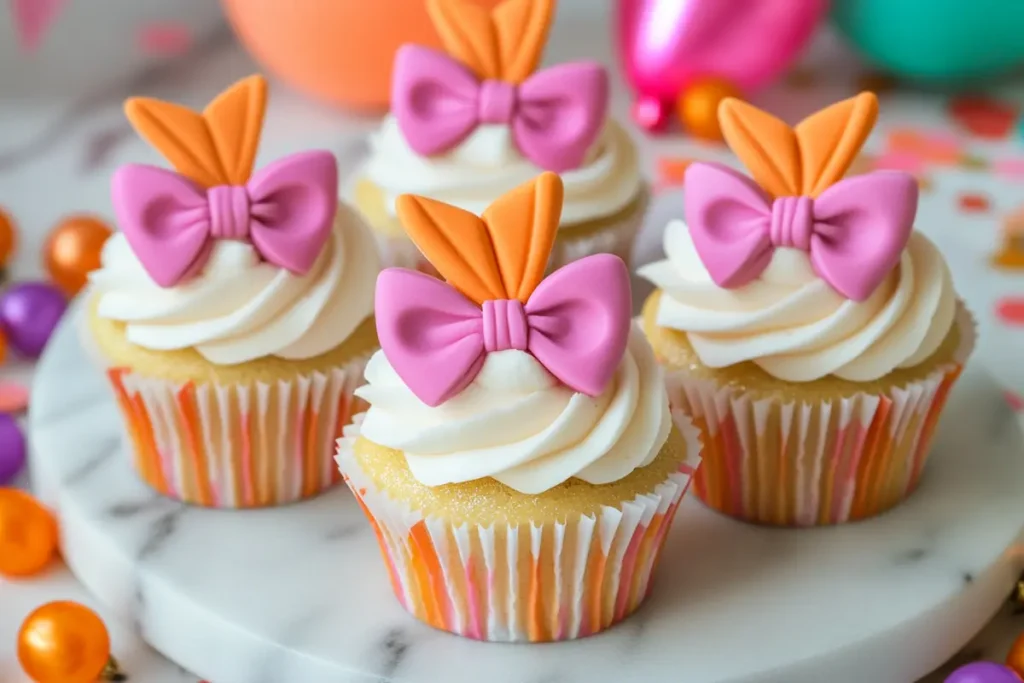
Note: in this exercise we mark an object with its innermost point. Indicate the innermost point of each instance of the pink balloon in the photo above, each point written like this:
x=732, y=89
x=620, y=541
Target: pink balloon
x=666, y=44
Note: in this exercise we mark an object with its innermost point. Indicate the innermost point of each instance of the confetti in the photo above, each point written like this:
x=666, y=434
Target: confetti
x=983, y=117
x=1010, y=167
x=33, y=18
x=1016, y=401
x=670, y=171
x=1010, y=311
x=13, y=397
x=900, y=161
x=935, y=147
x=972, y=202
x=164, y=39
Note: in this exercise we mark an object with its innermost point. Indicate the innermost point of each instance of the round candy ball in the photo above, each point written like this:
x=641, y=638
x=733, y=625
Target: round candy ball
x=28, y=534
x=29, y=312
x=1015, y=660
x=8, y=237
x=63, y=642
x=12, y=449
x=72, y=251
x=983, y=672
x=698, y=106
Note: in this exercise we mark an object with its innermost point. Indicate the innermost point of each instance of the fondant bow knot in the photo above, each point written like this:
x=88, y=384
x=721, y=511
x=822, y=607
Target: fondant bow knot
x=286, y=211
x=854, y=232
x=555, y=115
x=576, y=323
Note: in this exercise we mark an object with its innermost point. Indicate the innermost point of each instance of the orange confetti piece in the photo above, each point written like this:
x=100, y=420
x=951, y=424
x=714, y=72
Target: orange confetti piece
x=970, y=202
x=984, y=117
x=671, y=170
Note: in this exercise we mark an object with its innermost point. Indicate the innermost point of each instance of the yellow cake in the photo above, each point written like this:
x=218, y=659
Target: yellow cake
x=518, y=492
x=233, y=310
x=811, y=333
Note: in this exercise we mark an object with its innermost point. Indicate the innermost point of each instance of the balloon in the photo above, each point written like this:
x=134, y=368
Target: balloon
x=983, y=672
x=72, y=251
x=12, y=449
x=339, y=51
x=29, y=312
x=28, y=534
x=64, y=642
x=937, y=42
x=665, y=45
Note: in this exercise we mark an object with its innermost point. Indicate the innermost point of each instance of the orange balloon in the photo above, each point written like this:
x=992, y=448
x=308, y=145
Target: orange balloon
x=8, y=237
x=28, y=534
x=339, y=51
x=697, y=107
x=72, y=251
x=63, y=642
x=1015, y=660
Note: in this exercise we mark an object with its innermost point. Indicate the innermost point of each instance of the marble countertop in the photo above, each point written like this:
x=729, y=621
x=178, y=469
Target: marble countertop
x=62, y=133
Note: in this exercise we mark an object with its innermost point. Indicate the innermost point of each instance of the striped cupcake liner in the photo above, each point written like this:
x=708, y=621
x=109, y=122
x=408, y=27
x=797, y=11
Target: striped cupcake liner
x=398, y=251
x=787, y=463
x=528, y=583
x=238, y=446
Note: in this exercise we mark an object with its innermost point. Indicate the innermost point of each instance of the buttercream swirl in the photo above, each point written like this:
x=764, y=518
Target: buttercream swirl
x=519, y=425
x=241, y=308
x=487, y=165
x=795, y=326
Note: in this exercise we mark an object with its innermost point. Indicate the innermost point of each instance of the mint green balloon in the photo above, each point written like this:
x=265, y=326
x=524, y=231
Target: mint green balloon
x=940, y=41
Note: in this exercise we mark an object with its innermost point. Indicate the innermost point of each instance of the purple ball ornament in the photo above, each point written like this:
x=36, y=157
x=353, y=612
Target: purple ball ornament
x=12, y=449
x=984, y=672
x=29, y=313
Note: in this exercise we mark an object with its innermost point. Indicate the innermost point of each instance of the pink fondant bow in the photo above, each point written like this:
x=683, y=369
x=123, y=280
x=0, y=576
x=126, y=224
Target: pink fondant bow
x=286, y=211
x=555, y=115
x=576, y=323
x=854, y=231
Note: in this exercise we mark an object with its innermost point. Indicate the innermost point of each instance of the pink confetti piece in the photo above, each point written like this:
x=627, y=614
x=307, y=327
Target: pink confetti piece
x=164, y=39
x=13, y=397
x=900, y=161
x=1015, y=400
x=1013, y=168
x=32, y=19
x=1010, y=311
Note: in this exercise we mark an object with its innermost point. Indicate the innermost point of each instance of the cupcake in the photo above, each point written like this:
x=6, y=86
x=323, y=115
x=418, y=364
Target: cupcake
x=810, y=331
x=234, y=309
x=474, y=122
x=518, y=461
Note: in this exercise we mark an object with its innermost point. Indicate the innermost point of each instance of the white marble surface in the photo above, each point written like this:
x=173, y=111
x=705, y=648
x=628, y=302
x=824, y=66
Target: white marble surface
x=300, y=594
x=61, y=134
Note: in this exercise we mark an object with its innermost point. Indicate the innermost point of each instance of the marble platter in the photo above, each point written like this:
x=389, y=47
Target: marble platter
x=299, y=595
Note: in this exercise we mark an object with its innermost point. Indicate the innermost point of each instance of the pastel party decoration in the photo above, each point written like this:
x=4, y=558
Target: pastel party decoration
x=29, y=313
x=983, y=672
x=486, y=76
x=937, y=42
x=436, y=334
x=286, y=211
x=171, y=220
x=854, y=231
x=66, y=642
x=555, y=115
x=665, y=46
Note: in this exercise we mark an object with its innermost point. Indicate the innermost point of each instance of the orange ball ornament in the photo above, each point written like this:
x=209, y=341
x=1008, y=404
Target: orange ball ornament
x=8, y=237
x=72, y=251
x=697, y=107
x=1015, y=660
x=64, y=642
x=28, y=534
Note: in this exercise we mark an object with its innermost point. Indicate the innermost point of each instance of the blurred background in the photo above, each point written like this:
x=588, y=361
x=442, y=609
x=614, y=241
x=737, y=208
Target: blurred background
x=948, y=73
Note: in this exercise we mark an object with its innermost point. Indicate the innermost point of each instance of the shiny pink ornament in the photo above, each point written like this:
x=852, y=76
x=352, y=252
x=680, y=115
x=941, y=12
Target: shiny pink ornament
x=666, y=44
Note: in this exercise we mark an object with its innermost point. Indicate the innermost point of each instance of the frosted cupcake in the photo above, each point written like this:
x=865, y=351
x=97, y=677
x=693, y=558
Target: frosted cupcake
x=473, y=122
x=812, y=334
x=234, y=310
x=518, y=460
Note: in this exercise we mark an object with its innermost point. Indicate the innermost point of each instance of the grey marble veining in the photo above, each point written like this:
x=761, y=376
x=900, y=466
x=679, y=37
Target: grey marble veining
x=300, y=594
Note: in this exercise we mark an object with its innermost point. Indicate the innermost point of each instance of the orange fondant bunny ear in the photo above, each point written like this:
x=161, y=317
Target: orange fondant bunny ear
x=831, y=139
x=501, y=255
x=456, y=243
x=767, y=146
x=217, y=147
x=523, y=225
x=501, y=44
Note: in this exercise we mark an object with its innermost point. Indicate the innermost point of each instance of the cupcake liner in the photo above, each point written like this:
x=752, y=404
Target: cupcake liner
x=398, y=251
x=528, y=583
x=617, y=238
x=796, y=463
x=238, y=446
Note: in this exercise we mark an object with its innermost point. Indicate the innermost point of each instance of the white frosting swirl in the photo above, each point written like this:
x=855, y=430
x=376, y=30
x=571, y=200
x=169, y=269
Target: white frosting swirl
x=797, y=328
x=518, y=424
x=487, y=164
x=241, y=308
